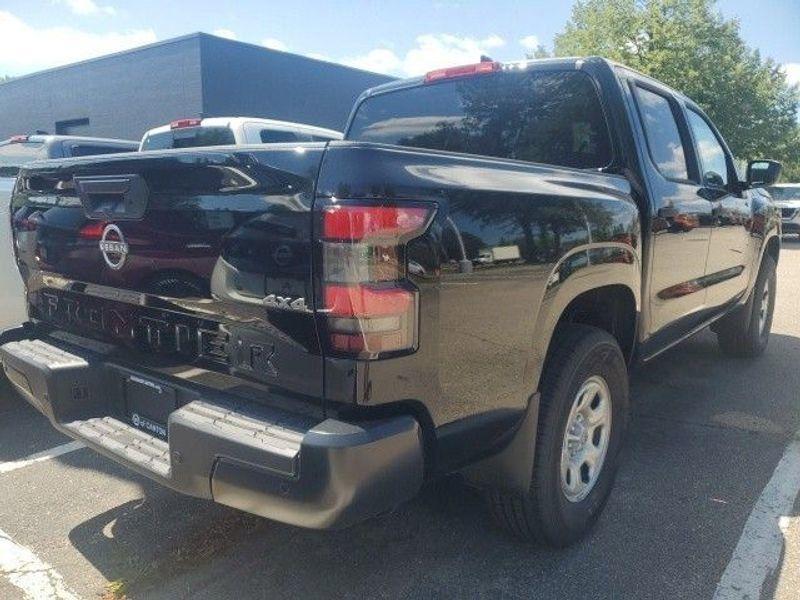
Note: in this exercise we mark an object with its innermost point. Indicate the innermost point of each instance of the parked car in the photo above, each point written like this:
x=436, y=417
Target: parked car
x=787, y=197
x=227, y=131
x=343, y=349
x=14, y=152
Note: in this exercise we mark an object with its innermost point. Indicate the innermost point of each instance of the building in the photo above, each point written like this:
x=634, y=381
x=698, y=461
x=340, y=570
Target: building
x=122, y=95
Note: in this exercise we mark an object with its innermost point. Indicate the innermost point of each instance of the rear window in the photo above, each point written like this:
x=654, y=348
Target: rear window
x=545, y=117
x=193, y=137
x=94, y=149
x=278, y=136
x=14, y=155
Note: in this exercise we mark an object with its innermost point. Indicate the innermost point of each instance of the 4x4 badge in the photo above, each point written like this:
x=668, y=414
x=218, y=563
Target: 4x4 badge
x=286, y=303
x=114, y=247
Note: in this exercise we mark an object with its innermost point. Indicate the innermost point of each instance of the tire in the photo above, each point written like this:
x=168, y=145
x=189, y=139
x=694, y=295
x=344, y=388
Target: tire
x=549, y=513
x=745, y=332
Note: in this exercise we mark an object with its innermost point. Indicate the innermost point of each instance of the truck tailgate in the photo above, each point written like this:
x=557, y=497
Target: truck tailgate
x=184, y=257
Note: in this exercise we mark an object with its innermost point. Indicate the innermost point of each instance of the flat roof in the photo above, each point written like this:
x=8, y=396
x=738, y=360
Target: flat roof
x=198, y=35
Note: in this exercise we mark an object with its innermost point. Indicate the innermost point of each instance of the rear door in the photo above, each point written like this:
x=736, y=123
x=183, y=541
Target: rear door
x=681, y=220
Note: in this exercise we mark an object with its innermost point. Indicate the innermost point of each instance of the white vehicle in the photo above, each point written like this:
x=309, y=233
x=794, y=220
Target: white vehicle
x=232, y=131
x=498, y=254
x=787, y=197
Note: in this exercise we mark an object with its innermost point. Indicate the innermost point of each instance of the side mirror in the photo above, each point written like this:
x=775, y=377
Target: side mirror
x=762, y=172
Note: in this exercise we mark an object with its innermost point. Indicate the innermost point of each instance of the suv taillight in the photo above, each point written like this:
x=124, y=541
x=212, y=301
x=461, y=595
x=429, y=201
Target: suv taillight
x=368, y=304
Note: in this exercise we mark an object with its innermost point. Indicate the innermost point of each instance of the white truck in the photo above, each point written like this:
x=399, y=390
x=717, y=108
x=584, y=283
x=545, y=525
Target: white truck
x=231, y=131
x=498, y=254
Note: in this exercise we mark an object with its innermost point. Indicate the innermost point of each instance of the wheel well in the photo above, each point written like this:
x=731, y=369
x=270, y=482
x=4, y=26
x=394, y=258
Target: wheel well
x=611, y=308
x=773, y=248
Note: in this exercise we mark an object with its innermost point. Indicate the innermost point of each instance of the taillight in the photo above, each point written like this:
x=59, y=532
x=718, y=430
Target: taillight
x=93, y=230
x=184, y=123
x=368, y=303
x=30, y=223
x=18, y=139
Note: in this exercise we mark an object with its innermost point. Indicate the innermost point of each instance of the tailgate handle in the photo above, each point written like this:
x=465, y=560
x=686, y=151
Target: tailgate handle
x=113, y=197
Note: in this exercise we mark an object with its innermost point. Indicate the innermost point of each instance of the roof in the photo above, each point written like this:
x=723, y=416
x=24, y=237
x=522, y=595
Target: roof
x=196, y=35
x=45, y=138
x=572, y=62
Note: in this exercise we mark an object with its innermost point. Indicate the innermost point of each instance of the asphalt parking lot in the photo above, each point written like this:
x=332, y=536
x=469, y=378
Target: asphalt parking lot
x=707, y=436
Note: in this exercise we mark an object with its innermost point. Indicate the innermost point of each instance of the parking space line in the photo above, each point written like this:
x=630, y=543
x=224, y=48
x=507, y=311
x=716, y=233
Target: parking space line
x=761, y=545
x=36, y=580
x=7, y=467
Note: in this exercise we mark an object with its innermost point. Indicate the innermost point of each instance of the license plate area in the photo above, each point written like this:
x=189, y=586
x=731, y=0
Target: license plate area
x=149, y=405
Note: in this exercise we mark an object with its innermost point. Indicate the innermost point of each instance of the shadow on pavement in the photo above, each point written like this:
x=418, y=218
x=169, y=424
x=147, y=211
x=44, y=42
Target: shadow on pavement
x=23, y=430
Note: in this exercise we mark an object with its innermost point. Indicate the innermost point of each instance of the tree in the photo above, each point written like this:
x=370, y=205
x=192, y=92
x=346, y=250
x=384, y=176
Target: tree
x=690, y=46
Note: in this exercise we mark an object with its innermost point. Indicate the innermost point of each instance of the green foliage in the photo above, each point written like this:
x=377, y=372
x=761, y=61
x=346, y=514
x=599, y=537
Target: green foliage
x=688, y=45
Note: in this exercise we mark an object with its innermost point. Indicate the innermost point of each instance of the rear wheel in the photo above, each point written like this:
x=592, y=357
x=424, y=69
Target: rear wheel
x=582, y=420
x=745, y=332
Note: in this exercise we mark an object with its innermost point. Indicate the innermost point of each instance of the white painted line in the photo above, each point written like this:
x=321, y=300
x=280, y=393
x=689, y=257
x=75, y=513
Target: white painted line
x=37, y=580
x=7, y=467
x=760, y=547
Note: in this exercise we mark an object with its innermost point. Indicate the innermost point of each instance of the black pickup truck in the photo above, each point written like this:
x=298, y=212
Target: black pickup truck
x=309, y=332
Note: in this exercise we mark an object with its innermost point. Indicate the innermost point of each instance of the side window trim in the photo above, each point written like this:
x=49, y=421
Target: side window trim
x=731, y=172
x=687, y=140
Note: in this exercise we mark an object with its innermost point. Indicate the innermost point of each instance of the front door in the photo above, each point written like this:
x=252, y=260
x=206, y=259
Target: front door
x=728, y=266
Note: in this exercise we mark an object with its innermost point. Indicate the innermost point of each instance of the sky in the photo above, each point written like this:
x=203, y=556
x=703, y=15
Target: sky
x=401, y=38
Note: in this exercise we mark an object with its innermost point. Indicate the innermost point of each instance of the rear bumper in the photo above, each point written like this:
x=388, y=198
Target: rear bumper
x=287, y=467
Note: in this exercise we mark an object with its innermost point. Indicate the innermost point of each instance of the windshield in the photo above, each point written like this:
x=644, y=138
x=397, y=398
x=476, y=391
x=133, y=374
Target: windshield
x=784, y=193
x=189, y=138
x=545, y=117
x=14, y=155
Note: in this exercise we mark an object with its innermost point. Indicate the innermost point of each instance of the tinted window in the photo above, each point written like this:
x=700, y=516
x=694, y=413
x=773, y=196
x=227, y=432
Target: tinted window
x=552, y=117
x=189, y=138
x=713, y=164
x=663, y=137
x=13, y=156
x=322, y=138
x=276, y=136
x=92, y=149
x=784, y=193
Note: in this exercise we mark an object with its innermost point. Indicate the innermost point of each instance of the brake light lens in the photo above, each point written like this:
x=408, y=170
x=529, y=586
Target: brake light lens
x=481, y=68
x=359, y=222
x=184, y=123
x=18, y=139
x=93, y=230
x=369, y=305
